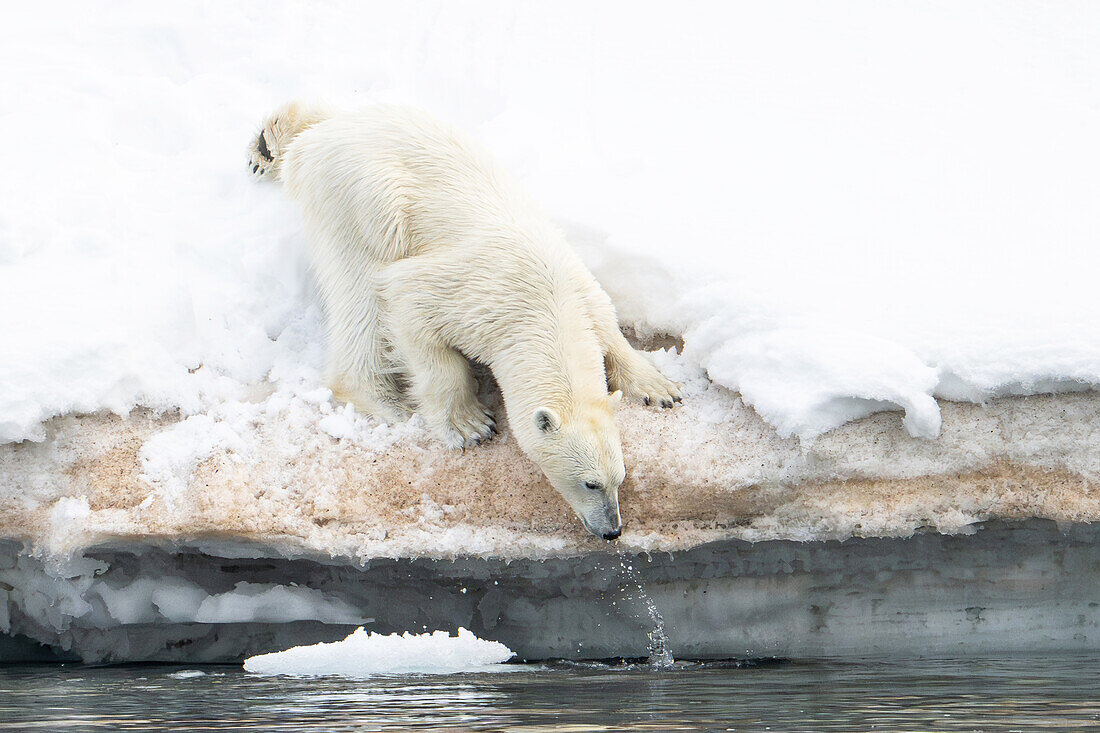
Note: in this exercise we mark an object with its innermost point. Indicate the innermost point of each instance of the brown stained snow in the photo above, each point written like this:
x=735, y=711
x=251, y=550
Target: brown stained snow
x=706, y=471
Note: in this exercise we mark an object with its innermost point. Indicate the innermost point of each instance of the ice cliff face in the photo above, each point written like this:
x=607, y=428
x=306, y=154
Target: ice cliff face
x=1004, y=587
x=128, y=539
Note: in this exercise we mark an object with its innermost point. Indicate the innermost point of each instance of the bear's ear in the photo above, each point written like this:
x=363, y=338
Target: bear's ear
x=546, y=420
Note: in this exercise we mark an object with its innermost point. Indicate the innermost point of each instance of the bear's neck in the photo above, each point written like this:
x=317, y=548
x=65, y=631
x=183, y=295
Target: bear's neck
x=557, y=368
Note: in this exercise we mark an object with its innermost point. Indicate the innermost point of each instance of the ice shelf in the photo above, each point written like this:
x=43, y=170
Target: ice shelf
x=866, y=540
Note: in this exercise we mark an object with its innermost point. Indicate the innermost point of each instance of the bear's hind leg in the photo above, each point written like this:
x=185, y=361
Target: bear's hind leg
x=372, y=395
x=361, y=369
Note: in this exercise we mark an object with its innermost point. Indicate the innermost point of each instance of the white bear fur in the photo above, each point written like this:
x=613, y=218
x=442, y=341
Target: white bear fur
x=427, y=254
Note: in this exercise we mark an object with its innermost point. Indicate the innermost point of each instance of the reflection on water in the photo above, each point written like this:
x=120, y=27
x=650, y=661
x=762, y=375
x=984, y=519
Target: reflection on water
x=1017, y=694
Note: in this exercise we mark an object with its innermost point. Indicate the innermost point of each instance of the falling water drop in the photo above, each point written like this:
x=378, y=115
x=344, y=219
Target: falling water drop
x=660, y=656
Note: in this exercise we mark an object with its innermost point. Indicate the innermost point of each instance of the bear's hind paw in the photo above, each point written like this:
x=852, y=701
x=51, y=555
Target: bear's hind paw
x=260, y=159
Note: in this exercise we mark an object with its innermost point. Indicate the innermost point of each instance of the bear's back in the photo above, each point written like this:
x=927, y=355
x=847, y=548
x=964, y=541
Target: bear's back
x=402, y=183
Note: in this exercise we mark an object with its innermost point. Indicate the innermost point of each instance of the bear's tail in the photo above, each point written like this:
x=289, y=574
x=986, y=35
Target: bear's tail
x=278, y=130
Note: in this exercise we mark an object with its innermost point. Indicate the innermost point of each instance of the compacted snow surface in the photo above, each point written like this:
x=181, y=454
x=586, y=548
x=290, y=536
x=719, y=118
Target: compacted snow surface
x=842, y=209
x=363, y=655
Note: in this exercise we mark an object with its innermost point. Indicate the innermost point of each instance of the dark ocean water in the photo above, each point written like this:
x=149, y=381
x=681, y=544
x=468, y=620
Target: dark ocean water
x=1051, y=693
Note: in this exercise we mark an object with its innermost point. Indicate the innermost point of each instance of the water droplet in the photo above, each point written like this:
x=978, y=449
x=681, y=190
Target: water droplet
x=660, y=655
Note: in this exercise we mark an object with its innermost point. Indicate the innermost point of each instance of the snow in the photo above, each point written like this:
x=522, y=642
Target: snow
x=842, y=209
x=169, y=457
x=364, y=655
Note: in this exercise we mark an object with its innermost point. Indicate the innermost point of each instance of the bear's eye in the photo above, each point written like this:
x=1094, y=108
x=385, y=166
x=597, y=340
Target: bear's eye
x=594, y=485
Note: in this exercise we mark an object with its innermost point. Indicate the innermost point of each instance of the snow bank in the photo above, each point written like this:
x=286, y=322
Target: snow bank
x=364, y=655
x=840, y=209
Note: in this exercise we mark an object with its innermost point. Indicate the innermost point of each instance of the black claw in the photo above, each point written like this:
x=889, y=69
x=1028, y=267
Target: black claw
x=262, y=147
x=677, y=399
x=666, y=404
x=255, y=168
x=645, y=401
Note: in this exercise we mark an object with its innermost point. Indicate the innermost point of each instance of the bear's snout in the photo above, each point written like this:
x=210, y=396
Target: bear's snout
x=613, y=535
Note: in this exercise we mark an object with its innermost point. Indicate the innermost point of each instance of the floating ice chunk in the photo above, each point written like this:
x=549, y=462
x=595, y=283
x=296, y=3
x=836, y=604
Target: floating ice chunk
x=362, y=655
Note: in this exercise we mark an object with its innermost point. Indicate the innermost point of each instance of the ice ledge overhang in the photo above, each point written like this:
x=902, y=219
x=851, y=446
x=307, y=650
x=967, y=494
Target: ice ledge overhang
x=1002, y=587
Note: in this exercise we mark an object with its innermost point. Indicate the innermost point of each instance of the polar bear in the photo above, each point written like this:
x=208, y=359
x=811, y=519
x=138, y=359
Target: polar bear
x=427, y=255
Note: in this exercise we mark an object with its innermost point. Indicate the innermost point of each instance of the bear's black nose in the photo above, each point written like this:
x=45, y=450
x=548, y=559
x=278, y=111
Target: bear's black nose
x=613, y=535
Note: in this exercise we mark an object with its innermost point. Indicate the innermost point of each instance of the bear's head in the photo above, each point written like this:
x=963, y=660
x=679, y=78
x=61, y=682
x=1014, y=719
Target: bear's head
x=580, y=452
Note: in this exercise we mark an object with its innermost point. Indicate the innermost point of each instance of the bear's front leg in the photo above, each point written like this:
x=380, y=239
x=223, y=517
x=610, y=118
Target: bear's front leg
x=417, y=291
x=637, y=377
x=445, y=391
x=628, y=371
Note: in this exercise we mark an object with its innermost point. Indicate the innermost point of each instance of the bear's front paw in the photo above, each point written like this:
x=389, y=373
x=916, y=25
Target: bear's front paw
x=648, y=386
x=468, y=426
